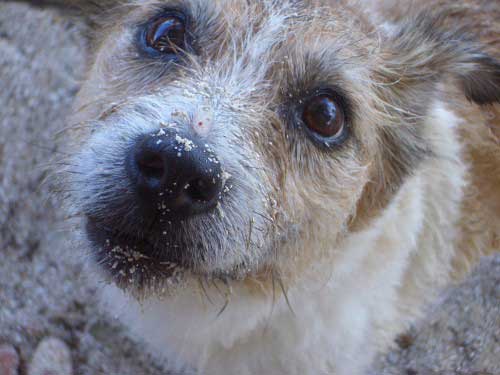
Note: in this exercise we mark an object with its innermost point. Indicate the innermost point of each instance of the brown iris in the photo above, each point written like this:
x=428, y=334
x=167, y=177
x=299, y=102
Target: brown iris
x=324, y=116
x=167, y=34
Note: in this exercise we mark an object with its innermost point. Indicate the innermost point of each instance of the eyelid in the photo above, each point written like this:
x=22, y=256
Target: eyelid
x=169, y=12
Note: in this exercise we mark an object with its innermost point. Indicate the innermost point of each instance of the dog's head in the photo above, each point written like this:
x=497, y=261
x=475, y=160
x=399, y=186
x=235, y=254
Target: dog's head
x=236, y=140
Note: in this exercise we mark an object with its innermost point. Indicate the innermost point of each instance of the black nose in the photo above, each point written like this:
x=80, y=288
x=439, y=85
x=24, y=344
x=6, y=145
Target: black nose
x=174, y=174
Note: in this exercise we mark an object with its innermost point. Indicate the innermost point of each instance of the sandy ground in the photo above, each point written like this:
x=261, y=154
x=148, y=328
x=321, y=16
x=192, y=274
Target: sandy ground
x=43, y=289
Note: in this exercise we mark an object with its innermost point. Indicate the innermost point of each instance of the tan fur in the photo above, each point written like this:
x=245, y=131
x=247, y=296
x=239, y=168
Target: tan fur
x=480, y=223
x=480, y=132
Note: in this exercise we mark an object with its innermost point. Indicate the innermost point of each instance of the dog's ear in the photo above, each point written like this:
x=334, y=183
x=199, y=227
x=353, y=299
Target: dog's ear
x=418, y=54
x=424, y=50
x=481, y=84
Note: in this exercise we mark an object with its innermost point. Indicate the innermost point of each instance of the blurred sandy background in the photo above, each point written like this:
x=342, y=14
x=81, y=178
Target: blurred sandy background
x=43, y=290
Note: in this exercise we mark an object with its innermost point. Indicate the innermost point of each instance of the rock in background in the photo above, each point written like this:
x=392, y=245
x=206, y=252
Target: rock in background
x=43, y=289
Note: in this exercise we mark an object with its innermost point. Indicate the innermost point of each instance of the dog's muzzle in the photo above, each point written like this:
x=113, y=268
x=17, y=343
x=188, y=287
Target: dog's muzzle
x=171, y=178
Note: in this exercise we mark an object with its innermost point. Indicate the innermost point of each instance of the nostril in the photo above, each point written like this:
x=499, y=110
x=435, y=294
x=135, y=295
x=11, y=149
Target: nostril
x=202, y=189
x=151, y=164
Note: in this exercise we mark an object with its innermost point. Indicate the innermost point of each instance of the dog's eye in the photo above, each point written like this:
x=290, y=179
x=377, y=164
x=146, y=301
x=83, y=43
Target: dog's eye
x=167, y=34
x=324, y=116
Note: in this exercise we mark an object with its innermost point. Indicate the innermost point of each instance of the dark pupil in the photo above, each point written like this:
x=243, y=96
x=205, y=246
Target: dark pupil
x=167, y=34
x=321, y=115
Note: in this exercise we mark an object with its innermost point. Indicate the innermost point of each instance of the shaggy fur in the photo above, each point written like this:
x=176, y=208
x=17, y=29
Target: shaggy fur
x=316, y=256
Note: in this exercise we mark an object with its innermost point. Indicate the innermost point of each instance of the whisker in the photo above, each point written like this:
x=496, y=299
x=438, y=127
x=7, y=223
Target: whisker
x=285, y=294
x=200, y=281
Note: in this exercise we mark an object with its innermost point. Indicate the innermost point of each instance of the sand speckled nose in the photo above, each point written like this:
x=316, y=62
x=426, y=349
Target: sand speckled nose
x=175, y=174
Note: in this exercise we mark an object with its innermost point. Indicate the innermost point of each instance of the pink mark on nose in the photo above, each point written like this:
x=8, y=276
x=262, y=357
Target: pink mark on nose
x=202, y=126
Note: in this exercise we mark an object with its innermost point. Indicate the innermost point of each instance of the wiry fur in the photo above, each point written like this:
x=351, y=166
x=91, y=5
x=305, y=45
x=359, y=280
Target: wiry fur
x=316, y=256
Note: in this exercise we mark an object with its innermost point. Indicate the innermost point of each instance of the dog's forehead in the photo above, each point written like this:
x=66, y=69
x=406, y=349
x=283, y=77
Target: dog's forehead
x=329, y=18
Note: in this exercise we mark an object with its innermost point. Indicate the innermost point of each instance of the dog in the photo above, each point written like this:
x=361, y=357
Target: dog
x=278, y=186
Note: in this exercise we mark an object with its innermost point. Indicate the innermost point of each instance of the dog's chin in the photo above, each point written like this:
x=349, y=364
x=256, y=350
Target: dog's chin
x=140, y=266
x=135, y=263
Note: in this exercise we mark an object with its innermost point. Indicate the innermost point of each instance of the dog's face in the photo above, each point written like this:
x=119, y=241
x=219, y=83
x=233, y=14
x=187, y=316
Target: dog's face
x=235, y=140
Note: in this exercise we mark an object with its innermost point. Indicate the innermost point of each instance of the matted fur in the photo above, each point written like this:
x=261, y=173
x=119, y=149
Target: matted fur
x=315, y=257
